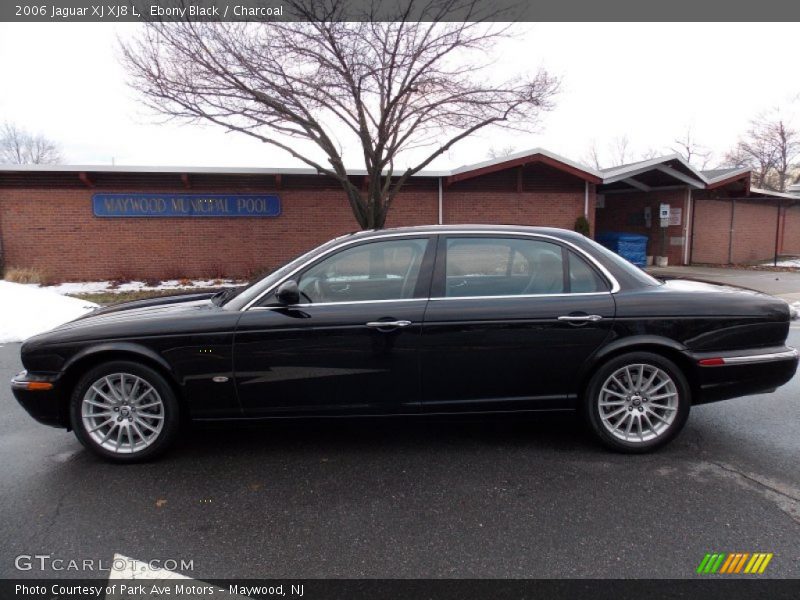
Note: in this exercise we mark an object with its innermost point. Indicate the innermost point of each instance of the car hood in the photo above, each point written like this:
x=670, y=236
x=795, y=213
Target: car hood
x=141, y=309
x=179, y=301
x=167, y=315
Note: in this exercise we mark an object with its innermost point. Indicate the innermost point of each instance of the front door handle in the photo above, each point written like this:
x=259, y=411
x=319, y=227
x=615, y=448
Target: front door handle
x=580, y=318
x=388, y=324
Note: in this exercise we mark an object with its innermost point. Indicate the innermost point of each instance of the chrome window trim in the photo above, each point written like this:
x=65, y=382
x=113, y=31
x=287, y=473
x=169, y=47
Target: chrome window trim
x=615, y=287
x=504, y=296
x=755, y=358
x=307, y=304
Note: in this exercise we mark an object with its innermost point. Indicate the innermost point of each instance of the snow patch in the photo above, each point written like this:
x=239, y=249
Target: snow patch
x=794, y=309
x=93, y=287
x=793, y=263
x=27, y=310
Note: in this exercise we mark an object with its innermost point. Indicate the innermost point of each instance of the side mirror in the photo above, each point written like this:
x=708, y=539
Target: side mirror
x=288, y=293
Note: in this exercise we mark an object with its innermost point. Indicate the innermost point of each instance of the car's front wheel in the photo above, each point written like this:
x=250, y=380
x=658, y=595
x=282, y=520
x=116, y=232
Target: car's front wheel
x=124, y=411
x=637, y=402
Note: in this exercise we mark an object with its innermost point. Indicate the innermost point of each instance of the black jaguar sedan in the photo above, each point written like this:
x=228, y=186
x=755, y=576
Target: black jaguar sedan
x=414, y=321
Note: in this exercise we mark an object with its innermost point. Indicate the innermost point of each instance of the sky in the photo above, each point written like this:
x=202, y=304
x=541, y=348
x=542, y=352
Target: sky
x=648, y=82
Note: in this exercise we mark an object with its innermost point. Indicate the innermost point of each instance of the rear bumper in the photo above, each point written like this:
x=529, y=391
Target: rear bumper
x=730, y=375
x=44, y=405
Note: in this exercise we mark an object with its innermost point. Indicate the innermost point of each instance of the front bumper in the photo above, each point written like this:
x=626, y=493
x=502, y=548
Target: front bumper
x=730, y=375
x=40, y=396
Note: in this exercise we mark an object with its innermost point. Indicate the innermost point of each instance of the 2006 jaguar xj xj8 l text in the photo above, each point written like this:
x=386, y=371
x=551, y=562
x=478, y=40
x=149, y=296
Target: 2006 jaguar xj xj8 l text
x=423, y=320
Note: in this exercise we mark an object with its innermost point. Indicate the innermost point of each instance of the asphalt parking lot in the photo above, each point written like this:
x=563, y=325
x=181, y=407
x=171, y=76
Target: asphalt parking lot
x=508, y=498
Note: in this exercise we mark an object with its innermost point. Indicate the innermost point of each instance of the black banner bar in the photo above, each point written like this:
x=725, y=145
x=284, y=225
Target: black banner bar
x=716, y=588
x=117, y=11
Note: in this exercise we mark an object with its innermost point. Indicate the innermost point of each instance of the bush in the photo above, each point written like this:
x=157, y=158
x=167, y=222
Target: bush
x=123, y=276
x=217, y=272
x=582, y=225
x=27, y=275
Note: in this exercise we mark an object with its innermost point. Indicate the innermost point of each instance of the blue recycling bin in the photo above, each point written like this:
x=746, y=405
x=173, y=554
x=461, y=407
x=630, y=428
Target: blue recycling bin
x=630, y=246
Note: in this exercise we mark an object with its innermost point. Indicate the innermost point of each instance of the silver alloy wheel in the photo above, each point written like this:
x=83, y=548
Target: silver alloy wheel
x=122, y=413
x=638, y=402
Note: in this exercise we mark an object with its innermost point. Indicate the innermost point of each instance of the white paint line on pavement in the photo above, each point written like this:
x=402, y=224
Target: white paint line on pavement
x=132, y=570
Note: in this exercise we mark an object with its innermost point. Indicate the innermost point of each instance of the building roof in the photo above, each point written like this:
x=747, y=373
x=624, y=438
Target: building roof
x=631, y=165
x=535, y=155
x=715, y=173
x=463, y=172
x=178, y=170
x=759, y=192
x=645, y=175
x=720, y=177
x=653, y=173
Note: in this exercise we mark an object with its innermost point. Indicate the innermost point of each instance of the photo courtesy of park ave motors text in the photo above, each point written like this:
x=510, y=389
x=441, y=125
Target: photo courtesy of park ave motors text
x=359, y=298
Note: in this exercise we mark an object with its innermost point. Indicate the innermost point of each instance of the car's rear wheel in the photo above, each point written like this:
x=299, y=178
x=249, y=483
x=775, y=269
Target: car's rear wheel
x=124, y=411
x=637, y=402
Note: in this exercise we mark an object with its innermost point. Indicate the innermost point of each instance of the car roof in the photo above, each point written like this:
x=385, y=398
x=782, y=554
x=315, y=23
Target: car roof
x=565, y=234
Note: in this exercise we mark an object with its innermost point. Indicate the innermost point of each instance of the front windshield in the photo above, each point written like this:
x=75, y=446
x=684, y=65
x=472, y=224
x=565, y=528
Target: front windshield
x=246, y=294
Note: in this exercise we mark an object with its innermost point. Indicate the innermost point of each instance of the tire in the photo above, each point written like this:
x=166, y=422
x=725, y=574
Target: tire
x=637, y=402
x=128, y=426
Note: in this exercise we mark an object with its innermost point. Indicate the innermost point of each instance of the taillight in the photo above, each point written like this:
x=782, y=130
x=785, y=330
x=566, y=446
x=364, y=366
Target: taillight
x=711, y=362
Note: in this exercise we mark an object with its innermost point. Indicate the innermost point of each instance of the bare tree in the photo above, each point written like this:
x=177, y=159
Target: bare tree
x=754, y=151
x=620, y=151
x=502, y=152
x=408, y=79
x=20, y=147
x=592, y=156
x=736, y=157
x=689, y=148
x=770, y=148
x=786, y=141
x=650, y=153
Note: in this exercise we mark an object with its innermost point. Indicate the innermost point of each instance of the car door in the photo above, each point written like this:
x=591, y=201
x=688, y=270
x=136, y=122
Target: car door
x=510, y=322
x=351, y=345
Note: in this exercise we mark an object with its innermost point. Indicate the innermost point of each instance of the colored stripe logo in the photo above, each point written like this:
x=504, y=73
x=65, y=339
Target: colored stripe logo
x=732, y=563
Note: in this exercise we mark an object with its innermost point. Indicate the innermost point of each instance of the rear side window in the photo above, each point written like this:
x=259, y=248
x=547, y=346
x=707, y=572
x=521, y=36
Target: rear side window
x=482, y=266
x=503, y=267
x=582, y=278
x=614, y=262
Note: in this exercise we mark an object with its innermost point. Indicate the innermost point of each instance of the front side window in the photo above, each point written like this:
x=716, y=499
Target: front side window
x=477, y=267
x=386, y=270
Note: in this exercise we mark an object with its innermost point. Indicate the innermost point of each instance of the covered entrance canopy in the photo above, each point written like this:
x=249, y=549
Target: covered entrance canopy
x=631, y=196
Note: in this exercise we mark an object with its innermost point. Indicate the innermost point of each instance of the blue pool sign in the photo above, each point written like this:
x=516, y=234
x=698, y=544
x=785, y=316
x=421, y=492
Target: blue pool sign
x=186, y=205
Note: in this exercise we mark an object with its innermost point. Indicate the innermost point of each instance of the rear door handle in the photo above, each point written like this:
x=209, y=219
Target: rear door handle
x=388, y=324
x=580, y=318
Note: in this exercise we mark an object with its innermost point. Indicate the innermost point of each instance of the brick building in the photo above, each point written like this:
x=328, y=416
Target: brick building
x=153, y=222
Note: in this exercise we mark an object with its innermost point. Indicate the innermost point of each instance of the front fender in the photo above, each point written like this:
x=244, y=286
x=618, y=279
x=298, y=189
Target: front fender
x=129, y=348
